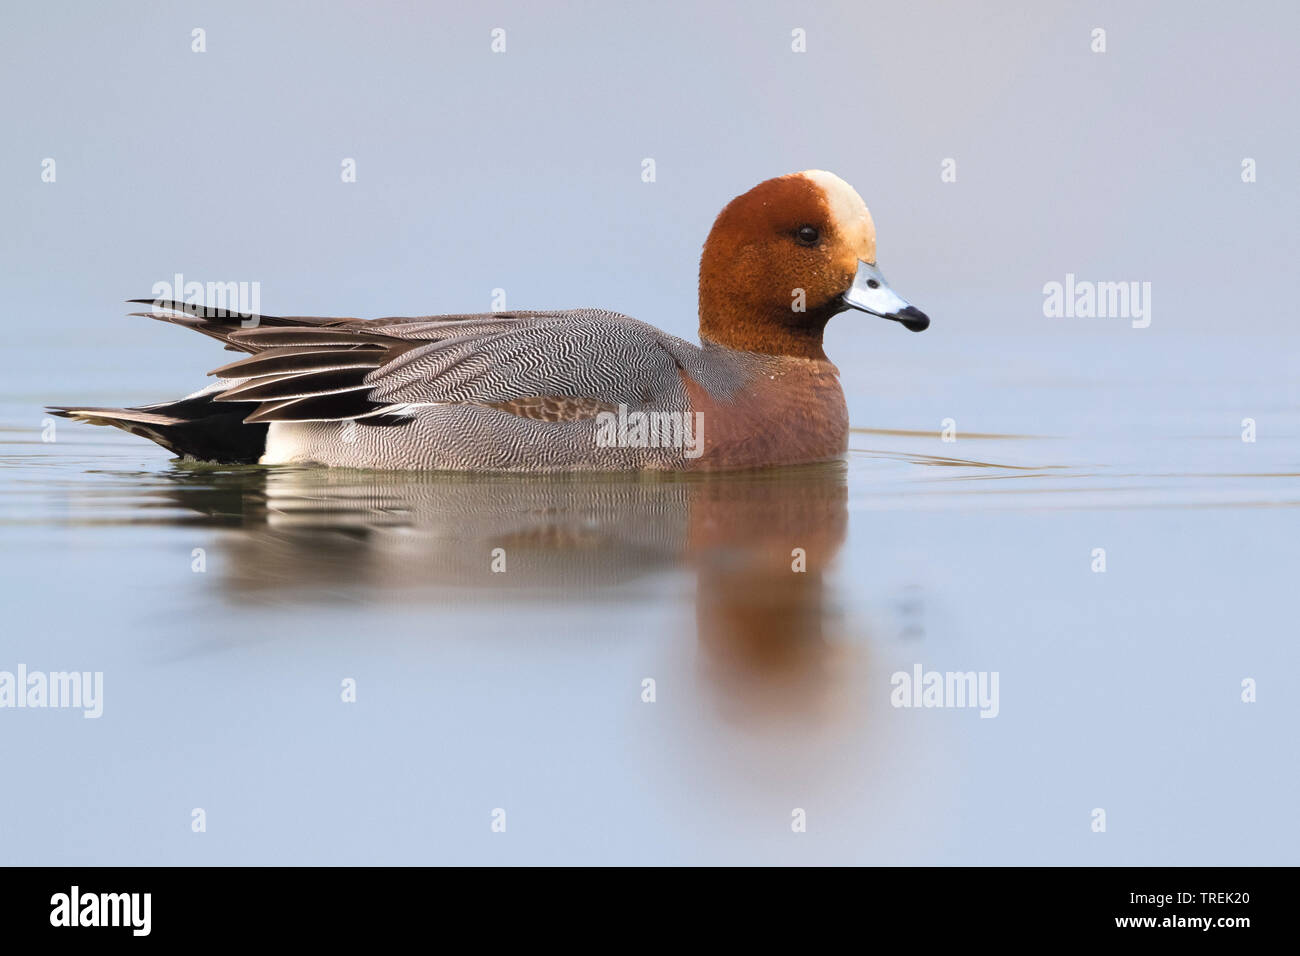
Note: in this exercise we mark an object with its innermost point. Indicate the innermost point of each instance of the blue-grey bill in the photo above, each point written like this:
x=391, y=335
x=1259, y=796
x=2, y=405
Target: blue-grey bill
x=871, y=293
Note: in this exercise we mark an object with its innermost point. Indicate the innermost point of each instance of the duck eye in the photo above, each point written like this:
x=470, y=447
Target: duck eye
x=807, y=235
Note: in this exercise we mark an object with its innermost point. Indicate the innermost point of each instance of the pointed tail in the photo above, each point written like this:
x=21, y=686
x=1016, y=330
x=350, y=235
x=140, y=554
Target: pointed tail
x=196, y=427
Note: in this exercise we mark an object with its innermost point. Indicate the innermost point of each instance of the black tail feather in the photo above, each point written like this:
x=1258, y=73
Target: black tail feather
x=196, y=428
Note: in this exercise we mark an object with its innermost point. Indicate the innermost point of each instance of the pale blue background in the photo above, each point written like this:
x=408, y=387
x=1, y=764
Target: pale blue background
x=522, y=171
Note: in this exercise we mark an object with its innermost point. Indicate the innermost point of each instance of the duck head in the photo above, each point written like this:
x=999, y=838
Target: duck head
x=783, y=258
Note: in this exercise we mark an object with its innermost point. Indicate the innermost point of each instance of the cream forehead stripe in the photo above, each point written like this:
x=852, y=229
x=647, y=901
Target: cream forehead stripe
x=849, y=212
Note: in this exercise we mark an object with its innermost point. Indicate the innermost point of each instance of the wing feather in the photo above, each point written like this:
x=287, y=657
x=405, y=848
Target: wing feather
x=552, y=366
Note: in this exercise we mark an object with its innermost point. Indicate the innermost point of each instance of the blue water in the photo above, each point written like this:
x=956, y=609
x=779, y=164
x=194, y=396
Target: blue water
x=522, y=690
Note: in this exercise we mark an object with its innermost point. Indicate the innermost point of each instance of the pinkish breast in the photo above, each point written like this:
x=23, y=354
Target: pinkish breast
x=789, y=411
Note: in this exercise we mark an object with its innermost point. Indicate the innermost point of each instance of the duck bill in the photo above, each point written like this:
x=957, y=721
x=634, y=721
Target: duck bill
x=871, y=293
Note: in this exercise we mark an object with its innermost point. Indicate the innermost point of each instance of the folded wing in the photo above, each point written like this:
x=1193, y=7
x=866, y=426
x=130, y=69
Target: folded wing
x=548, y=365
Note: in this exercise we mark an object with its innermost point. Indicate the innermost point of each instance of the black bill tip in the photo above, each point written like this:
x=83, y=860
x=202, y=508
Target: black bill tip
x=913, y=319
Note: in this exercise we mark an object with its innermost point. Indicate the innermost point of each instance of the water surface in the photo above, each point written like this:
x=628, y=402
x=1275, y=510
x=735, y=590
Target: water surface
x=226, y=607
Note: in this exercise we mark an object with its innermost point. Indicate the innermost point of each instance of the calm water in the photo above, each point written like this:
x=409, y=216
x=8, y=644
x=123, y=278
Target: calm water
x=522, y=690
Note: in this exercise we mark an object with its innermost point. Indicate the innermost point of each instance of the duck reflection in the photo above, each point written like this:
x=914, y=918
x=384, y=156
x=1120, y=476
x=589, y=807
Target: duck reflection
x=757, y=544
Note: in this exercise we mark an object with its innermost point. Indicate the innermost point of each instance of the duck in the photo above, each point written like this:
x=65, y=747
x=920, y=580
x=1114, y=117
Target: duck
x=579, y=390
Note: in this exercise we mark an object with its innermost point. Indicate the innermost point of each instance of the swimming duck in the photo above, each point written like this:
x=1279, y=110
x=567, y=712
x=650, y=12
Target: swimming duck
x=580, y=390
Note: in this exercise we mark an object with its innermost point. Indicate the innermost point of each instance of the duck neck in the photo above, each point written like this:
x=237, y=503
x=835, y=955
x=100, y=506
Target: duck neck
x=767, y=330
